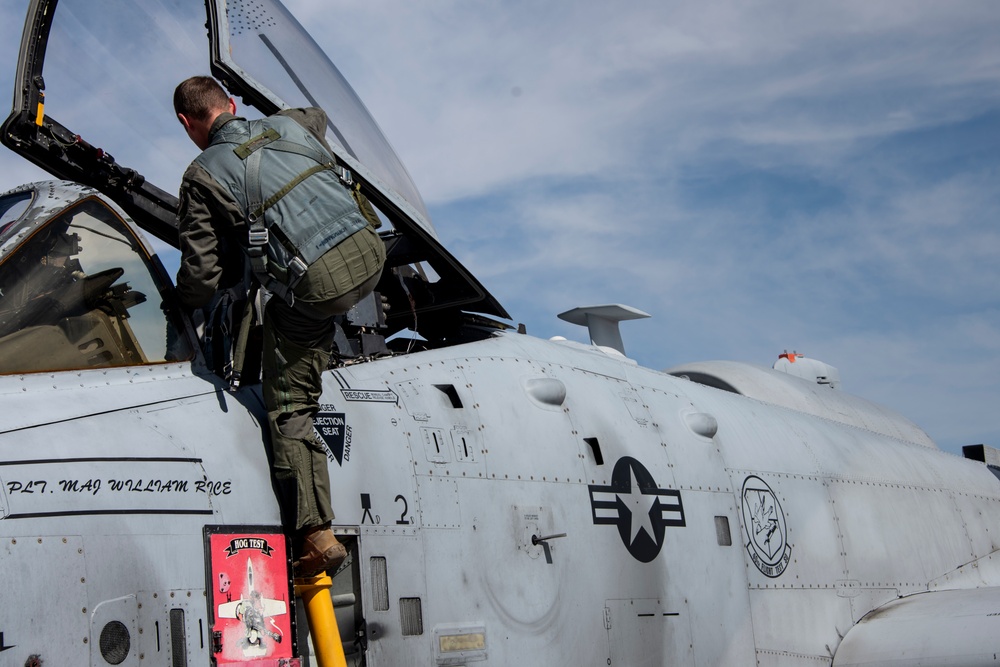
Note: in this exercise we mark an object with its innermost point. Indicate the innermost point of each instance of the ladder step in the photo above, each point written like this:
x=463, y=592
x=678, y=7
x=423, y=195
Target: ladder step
x=345, y=600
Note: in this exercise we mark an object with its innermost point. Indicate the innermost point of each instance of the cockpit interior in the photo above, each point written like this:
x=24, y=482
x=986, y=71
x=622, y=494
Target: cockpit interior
x=78, y=289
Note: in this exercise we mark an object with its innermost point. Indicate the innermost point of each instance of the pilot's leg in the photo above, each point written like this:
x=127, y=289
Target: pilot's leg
x=292, y=387
x=297, y=344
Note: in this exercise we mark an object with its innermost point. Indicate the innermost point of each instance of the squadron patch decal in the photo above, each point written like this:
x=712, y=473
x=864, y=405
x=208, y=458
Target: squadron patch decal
x=764, y=527
x=640, y=509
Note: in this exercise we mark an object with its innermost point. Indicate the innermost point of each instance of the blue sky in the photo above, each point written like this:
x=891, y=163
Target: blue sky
x=819, y=177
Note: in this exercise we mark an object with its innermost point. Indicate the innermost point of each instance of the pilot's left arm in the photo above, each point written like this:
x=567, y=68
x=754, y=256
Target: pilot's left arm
x=205, y=212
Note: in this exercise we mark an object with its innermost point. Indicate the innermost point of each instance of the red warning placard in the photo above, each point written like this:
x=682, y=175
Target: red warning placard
x=249, y=596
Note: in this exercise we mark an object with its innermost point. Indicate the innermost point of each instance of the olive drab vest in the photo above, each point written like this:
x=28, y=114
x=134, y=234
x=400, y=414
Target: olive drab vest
x=294, y=198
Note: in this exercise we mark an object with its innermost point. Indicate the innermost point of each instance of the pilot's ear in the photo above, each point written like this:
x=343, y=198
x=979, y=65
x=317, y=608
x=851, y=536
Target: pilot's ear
x=232, y=106
x=184, y=121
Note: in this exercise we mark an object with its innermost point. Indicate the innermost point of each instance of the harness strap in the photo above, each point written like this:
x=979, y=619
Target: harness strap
x=251, y=149
x=258, y=264
x=253, y=144
x=306, y=151
x=258, y=212
x=258, y=236
x=240, y=351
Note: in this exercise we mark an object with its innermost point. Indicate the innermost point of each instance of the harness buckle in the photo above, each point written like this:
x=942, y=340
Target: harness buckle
x=258, y=237
x=345, y=176
x=297, y=268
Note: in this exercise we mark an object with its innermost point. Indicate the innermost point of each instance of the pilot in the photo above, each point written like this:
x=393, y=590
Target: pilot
x=220, y=203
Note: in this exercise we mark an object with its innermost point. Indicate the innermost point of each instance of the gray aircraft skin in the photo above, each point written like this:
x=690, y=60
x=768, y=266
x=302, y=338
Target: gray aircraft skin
x=508, y=500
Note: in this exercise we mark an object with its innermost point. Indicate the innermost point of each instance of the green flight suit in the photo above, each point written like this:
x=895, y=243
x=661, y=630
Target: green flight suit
x=297, y=339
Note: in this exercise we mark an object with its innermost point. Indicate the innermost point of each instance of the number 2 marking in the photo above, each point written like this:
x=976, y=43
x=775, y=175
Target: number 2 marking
x=403, y=521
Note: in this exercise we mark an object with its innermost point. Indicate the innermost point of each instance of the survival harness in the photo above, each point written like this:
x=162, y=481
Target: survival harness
x=297, y=203
x=296, y=200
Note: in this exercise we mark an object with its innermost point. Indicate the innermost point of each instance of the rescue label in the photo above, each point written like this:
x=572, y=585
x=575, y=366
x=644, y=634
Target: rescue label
x=370, y=395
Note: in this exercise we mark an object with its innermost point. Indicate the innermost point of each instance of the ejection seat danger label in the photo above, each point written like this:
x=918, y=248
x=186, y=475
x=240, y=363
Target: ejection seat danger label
x=333, y=429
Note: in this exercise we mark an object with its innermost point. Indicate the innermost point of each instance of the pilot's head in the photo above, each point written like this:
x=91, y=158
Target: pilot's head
x=198, y=101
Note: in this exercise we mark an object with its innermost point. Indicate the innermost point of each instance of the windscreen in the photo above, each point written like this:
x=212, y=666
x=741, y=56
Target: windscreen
x=12, y=207
x=79, y=291
x=110, y=71
x=262, y=41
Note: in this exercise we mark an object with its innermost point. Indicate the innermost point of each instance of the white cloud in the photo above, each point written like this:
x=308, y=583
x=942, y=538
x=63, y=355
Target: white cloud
x=594, y=76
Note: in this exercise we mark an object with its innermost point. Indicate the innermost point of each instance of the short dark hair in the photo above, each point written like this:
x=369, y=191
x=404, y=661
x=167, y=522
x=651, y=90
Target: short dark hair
x=199, y=96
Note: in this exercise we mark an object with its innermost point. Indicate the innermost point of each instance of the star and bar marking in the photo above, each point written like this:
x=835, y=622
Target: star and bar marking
x=641, y=510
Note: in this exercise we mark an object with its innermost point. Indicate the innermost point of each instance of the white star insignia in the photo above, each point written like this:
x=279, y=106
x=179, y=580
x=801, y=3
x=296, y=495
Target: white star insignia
x=639, y=505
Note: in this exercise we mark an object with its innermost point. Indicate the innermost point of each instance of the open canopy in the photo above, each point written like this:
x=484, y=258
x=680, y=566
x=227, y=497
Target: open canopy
x=92, y=104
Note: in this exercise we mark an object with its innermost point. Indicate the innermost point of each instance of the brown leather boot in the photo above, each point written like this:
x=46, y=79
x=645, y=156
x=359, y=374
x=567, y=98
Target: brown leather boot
x=319, y=551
